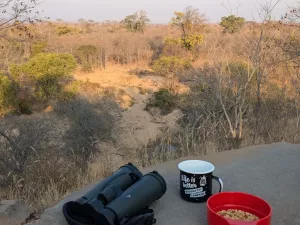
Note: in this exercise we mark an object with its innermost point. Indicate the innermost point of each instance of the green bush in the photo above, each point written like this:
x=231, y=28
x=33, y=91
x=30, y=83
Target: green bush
x=46, y=72
x=164, y=100
x=170, y=65
x=24, y=107
x=37, y=48
x=72, y=89
x=232, y=23
x=48, y=88
x=65, y=30
x=189, y=42
x=8, y=94
x=87, y=56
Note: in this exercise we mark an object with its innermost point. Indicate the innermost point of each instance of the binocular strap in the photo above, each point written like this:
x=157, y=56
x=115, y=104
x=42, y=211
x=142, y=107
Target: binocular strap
x=145, y=218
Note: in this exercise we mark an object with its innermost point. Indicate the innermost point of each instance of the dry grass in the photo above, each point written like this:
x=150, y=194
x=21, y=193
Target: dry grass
x=47, y=156
x=115, y=76
x=192, y=140
x=41, y=194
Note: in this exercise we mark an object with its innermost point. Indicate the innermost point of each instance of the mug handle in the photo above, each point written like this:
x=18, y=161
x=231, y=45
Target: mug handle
x=220, y=182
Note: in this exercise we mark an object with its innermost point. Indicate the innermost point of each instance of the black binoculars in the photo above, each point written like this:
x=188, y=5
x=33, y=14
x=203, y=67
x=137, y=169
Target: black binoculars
x=120, y=199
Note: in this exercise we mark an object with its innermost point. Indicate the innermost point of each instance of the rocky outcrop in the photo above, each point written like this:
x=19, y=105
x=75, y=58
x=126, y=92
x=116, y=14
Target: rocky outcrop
x=13, y=212
x=51, y=216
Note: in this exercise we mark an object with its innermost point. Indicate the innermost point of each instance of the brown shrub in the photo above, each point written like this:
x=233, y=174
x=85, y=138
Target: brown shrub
x=44, y=157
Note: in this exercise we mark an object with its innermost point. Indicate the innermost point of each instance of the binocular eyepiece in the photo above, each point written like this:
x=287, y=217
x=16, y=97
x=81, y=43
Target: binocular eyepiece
x=122, y=198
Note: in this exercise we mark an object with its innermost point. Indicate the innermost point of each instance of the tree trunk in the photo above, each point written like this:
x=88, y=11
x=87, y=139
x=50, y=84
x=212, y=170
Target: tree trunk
x=258, y=106
x=103, y=58
x=241, y=123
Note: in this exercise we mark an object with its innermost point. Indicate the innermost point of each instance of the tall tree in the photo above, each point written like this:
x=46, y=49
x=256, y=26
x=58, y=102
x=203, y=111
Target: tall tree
x=259, y=53
x=232, y=23
x=191, y=24
x=190, y=21
x=136, y=22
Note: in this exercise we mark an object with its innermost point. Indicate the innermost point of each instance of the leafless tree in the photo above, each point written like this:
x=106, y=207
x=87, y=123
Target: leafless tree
x=21, y=139
x=259, y=47
x=16, y=12
x=290, y=45
x=230, y=85
x=88, y=122
x=292, y=15
x=228, y=6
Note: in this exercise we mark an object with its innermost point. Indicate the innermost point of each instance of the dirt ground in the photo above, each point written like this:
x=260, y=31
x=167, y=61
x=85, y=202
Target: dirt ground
x=137, y=125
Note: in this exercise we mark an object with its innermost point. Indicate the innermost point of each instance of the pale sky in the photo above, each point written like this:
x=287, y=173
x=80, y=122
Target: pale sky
x=159, y=11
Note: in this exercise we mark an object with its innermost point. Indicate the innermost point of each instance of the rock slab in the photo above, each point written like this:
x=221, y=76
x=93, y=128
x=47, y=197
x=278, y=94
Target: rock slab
x=271, y=172
x=13, y=212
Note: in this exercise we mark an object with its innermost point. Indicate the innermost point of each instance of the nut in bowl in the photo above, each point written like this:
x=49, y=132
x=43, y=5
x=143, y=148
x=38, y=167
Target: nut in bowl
x=235, y=214
x=237, y=208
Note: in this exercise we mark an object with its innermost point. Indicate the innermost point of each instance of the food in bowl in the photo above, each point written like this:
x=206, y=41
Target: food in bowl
x=236, y=214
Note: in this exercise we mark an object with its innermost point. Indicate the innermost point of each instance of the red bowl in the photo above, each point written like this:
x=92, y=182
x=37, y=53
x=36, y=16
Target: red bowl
x=241, y=201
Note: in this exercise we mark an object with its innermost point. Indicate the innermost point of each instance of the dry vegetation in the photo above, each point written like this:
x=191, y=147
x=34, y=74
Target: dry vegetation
x=236, y=86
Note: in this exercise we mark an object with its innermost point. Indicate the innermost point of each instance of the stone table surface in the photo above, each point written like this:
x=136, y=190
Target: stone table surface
x=271, y=172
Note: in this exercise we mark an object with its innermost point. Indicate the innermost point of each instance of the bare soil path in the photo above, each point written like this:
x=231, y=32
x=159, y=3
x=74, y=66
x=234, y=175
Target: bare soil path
x=137, y=126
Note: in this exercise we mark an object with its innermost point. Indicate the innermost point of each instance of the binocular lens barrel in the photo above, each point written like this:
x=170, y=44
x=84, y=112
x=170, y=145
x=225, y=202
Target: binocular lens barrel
x=136, y=198
x=121, y=179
